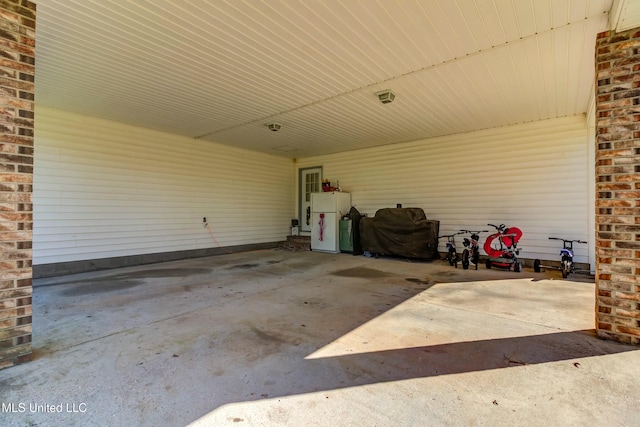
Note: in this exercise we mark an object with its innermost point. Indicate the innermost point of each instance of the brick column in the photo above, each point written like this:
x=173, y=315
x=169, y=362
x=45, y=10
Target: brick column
x=618, y=186
x=17, y=70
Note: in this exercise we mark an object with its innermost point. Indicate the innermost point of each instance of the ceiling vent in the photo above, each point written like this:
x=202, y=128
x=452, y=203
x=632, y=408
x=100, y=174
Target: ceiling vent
x=386, y=96
x=274, y=127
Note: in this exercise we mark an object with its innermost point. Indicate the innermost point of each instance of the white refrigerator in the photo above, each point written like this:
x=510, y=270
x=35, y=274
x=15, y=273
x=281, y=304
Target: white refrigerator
x=326, y=211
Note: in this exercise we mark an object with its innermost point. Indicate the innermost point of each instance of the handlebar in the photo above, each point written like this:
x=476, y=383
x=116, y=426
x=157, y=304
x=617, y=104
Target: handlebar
x=565, y=240
x=471, y=231
x=500, y=227
x=454, y=234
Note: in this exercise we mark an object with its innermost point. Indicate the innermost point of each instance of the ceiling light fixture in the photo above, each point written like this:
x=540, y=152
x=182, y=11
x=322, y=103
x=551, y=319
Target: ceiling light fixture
x=386, y=96
x=274, y=127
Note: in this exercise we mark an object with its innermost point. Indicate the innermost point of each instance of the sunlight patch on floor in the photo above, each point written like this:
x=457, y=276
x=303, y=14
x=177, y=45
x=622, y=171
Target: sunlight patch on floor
x=433, y=317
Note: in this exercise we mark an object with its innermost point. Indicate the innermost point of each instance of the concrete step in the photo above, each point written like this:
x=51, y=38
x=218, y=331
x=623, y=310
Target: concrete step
x=296, y=243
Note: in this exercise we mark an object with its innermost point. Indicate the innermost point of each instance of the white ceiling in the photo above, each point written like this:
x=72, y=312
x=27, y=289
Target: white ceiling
x=221, y=70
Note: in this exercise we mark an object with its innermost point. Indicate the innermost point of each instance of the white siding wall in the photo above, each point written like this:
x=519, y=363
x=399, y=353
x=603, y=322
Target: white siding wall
x=533, y=176
x=105, y=189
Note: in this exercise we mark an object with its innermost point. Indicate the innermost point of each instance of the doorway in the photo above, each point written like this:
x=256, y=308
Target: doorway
x=310, y=180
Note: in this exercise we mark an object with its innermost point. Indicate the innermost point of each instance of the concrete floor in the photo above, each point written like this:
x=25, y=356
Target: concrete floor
x=310, y=339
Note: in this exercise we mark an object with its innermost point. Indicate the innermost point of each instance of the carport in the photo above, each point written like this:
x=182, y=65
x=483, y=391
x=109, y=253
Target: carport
x=141, y=133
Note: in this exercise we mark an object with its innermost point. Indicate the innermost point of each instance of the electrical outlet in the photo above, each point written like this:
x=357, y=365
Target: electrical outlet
x=204, y=219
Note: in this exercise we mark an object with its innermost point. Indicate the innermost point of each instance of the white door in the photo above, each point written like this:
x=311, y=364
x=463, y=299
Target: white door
x=310, y=182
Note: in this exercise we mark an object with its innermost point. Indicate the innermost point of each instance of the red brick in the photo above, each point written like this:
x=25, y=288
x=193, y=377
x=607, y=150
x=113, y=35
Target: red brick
x=16, y=178
x=604, y=326
x=15, y=295
x=15, y=331
x=618, y=253
x=615, y=203
x=615, y=153
x=15, y=236
x=614, y=285
x=624, y=211
x=627, y=245
x=9, y=303
x=603, y=309
x=15, y=274
x=613, y=186
x=24, y=358
x=628, y=194
x=616, y=302
x=629, y=262
x=608, y=219
x=614, y=236
x=8, y=314
x=18, y=255
x=627, y=279
x=11, y=177
x=628, y=330
x=628, y=313
x=27, y=198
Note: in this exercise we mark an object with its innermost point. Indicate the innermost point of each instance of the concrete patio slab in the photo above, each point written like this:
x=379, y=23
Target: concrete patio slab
x=304, y=338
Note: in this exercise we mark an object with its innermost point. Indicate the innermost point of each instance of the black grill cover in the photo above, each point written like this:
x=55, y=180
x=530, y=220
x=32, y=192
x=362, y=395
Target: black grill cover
x=402, y=232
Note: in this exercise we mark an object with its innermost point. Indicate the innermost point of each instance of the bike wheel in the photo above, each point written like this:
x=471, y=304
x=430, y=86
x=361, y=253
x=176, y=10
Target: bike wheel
x=487, y=264
x=536, y=265
x=451, y=257
x=565, y=267
x=475, y=258
x=517, y=267
x=465, y=259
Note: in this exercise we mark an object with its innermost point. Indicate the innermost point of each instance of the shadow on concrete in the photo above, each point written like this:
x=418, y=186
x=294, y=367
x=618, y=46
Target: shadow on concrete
x=474, y=356
x=436, y=360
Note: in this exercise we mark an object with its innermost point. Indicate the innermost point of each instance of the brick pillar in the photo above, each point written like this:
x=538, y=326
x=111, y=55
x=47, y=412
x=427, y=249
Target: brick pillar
x=618, y=186
x=17, y=70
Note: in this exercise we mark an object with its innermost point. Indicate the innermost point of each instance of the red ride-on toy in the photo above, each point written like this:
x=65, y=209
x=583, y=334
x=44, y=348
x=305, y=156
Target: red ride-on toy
x=506, y=255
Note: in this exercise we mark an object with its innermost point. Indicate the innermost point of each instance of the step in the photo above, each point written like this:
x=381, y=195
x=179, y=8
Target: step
x=296, y=243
